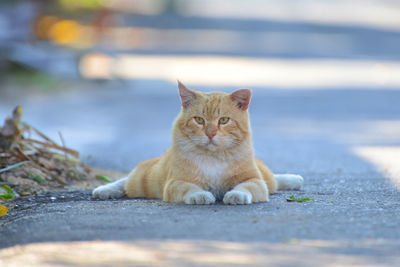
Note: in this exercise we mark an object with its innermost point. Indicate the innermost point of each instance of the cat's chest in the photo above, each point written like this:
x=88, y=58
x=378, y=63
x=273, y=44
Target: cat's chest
x=212, y=170
x=213, y=174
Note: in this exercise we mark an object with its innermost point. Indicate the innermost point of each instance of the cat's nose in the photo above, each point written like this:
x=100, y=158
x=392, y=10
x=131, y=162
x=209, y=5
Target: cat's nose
x=211, y=133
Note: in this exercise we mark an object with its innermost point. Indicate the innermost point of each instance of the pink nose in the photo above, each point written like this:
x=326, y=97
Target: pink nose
x=211, y=134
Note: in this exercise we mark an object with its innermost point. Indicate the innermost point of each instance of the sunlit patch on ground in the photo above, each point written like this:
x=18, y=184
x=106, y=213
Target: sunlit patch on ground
x=202, y=253
x=373, y=13
x=385, y=158
x=240, y=71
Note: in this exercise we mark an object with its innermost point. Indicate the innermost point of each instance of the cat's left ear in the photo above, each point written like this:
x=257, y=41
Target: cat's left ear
x=242, y=98
x=187, y=95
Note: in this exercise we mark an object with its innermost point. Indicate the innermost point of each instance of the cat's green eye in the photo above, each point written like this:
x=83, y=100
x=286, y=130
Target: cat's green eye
x=223, y=120
x=199, y=120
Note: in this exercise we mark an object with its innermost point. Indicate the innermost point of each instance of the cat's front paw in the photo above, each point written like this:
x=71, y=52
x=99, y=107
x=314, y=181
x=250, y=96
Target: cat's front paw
x=108, y=191
x=199, y=198
x=237, y=198
x=289, y=181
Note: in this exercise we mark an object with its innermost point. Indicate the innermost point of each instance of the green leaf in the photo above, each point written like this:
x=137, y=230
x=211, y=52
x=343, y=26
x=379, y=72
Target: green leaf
x=10, y=193
x=300, y=199
x=103, y=177
x=37, y=177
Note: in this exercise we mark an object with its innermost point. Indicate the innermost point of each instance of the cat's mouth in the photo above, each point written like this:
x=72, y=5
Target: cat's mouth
x=211, y=142
x=211, y=145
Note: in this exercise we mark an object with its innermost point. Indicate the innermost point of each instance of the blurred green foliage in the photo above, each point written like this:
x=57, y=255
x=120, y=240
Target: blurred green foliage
x=76, y=4
x=24, y=75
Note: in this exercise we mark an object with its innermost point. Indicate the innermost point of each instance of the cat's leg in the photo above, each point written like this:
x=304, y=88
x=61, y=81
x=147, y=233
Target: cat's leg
x=111, y=190
x=289, y=181
x=180, y=191
x=253, y=190
x=268, y=176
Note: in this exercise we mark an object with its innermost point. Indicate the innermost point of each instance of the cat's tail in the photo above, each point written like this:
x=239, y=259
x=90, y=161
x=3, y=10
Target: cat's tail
x=289, y=181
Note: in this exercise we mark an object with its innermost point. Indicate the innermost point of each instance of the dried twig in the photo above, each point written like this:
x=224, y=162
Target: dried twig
x=38, y=133
x=22, y=154
x=63, y=144
x=67, y=150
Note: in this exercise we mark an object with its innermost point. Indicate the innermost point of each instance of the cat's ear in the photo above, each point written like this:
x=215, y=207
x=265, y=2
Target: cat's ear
x=187, y=95
x=242, y=98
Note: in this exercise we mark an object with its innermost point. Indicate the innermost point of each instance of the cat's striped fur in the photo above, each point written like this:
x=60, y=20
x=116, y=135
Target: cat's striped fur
x=209, y=158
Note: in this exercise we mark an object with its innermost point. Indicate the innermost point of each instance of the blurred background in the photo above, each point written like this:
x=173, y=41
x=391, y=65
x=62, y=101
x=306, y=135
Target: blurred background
x=325, y=74
x=284, y=43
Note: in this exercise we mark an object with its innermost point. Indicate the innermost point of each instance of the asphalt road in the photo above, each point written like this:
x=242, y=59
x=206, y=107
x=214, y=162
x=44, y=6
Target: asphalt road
x=353, y=219
x=343, y=141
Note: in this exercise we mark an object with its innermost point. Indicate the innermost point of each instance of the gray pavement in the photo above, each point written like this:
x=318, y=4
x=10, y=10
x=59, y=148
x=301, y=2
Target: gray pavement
x=314, y=133
x=344, y=141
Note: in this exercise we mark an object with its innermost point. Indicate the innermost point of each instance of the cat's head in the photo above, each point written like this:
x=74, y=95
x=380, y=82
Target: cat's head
x=213, y=121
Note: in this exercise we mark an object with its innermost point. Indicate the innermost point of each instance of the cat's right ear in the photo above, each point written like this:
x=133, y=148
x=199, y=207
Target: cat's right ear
x=242, y=98
x=187, y=95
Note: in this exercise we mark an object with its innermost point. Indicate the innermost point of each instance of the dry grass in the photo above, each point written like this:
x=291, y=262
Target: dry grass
x=31, y=162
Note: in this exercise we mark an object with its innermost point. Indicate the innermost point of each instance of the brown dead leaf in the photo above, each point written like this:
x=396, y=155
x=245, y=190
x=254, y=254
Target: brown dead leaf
x=49, y=168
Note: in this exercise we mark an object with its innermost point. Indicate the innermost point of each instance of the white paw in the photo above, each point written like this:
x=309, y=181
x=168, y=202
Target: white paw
x=289, y=181
x=199, y=198
x=237, y=198
x=297, y=182
x=108, y=191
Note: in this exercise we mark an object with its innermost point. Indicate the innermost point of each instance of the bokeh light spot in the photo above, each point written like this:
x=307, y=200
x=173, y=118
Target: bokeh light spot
x=65, y=32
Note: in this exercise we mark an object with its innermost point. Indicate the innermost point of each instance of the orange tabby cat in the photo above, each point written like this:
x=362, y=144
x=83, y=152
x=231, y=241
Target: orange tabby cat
x=211, y=157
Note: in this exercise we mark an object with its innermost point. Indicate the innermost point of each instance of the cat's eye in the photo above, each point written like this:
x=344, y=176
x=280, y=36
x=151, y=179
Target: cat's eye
x=199, y=120
x=223, y=120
